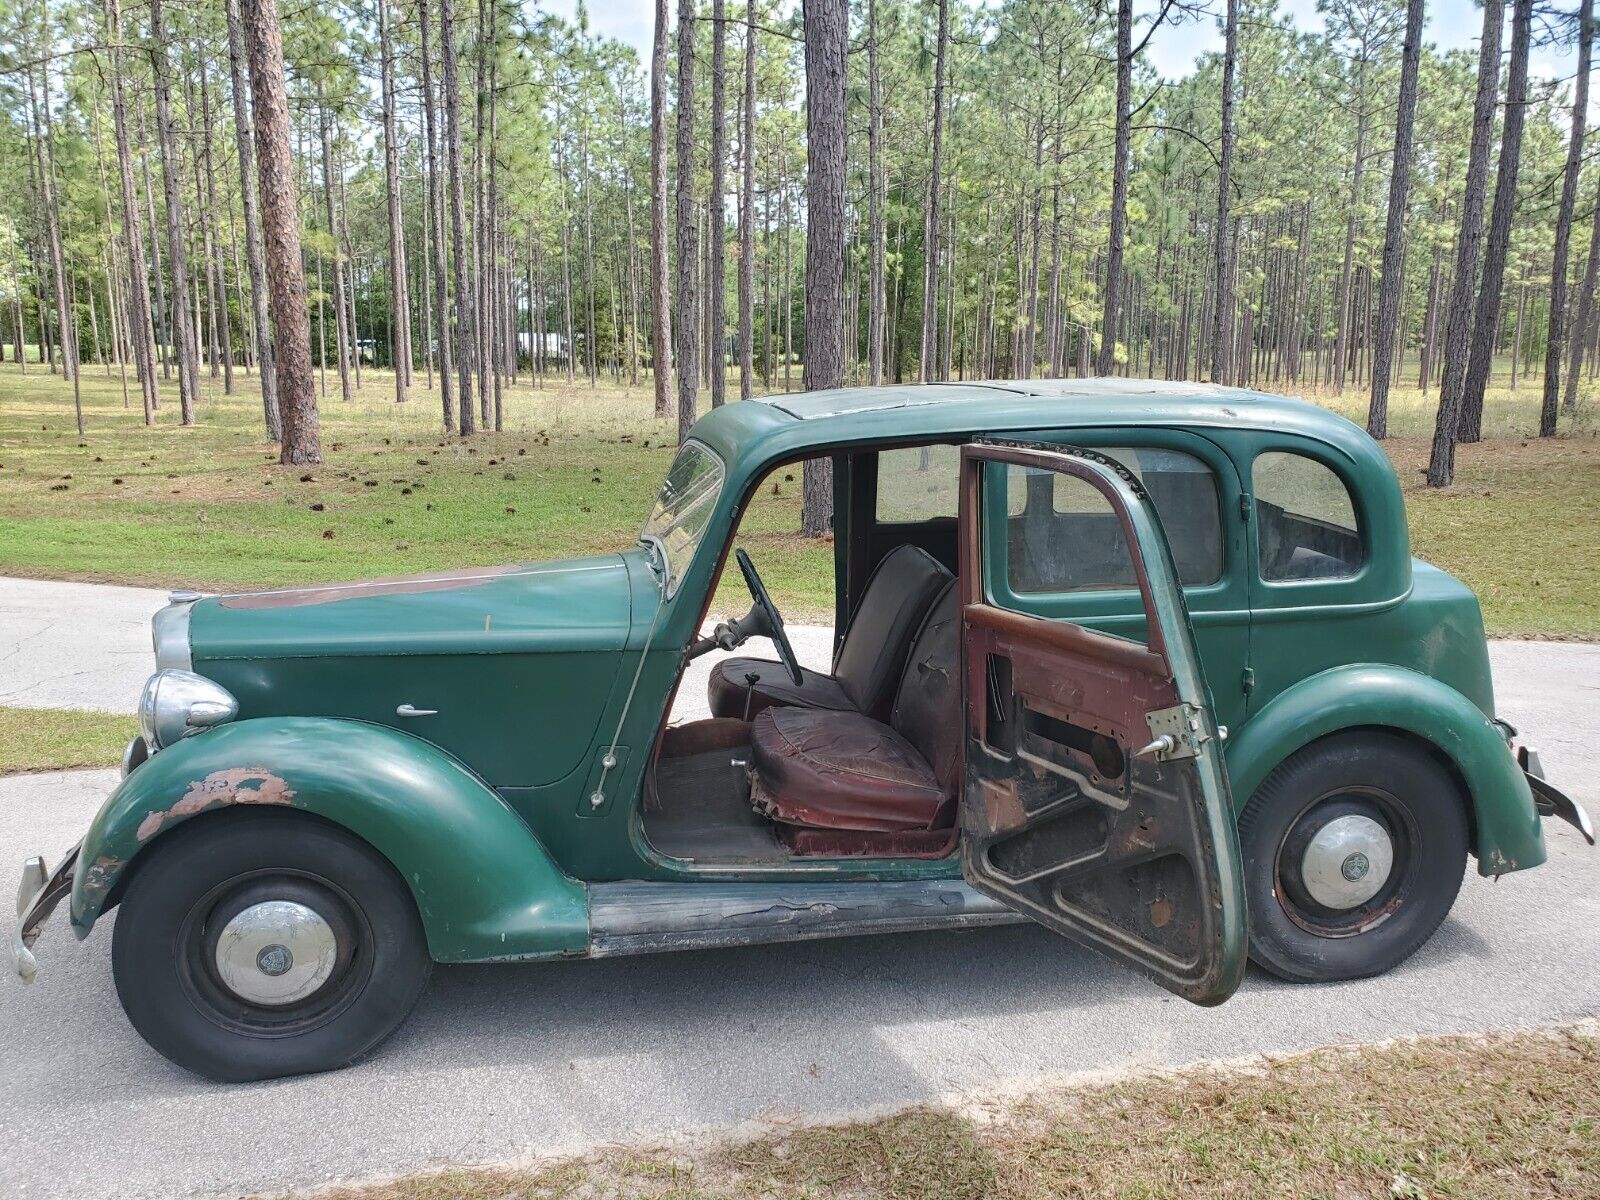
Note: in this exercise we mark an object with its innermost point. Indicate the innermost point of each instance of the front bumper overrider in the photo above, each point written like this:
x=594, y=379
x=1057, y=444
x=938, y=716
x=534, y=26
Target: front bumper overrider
x=38, y=893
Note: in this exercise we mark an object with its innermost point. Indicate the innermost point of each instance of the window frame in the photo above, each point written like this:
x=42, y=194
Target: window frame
x=1294, y=593
x=1117, y=610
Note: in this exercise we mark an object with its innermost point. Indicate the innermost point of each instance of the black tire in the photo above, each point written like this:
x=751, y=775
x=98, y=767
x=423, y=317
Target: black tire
x=1380, y=778
x=165, y=957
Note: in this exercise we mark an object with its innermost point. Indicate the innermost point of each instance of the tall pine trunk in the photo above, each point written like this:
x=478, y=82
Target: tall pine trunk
x=1222, y=331
x=280, y=232
x=1569, y=198
x=877, y=297
x=1469, y=244
x=686, y=328
x=717, y=225
x=660, y=271
x=437, y=226
x=466, y=336
x=400, y=296
x=932, y=223
x=177, y=251
x=1486, y=319
x=1107, y=358
x=827, y=33
x=341, y=311
x=252, y=223
x=1395, y=228
x=142, y=332
x=747, y=211
x=1584, y=324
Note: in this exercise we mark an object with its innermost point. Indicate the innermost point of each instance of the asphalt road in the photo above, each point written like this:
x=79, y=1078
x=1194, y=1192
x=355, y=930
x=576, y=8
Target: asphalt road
x=509, y=1062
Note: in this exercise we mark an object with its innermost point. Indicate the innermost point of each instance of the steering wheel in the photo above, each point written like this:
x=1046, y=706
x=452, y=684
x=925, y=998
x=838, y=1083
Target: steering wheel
x=764, y=619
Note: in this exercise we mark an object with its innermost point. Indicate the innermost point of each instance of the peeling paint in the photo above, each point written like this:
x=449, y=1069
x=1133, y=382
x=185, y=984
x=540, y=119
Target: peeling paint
x=235, y=785
x=97, y=880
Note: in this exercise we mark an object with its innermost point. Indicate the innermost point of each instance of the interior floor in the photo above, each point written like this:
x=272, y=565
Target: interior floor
x=699, y=806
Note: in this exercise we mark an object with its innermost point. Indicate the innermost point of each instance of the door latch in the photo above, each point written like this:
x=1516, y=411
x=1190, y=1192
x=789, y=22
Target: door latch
x=1175, y=733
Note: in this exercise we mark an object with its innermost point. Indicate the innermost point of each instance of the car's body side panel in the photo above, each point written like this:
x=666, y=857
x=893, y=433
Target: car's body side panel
x=530, y=649
x=1507, y=835
x=484, y=886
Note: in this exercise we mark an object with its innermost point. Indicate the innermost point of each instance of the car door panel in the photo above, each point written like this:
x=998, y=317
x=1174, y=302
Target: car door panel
x=1063, y=818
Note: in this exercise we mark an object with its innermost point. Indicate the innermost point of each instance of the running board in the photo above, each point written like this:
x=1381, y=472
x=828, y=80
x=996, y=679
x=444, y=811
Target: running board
x=642, y=918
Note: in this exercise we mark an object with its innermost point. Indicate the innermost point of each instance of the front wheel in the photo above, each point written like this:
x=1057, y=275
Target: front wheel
x=258, y=944
x=1354, y=849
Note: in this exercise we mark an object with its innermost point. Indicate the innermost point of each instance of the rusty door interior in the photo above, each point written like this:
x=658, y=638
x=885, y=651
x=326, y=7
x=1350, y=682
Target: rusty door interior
x=1095, y=799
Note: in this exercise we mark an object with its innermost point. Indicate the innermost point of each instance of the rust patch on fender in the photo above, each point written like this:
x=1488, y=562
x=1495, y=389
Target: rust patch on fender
x=97, y=879
x=235, y=785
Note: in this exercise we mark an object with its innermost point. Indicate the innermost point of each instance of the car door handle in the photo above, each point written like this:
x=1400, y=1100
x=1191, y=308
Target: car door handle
x=406, y=710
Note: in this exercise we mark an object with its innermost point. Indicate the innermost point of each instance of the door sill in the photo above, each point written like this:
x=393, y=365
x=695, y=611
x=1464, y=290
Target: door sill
x=644, y=918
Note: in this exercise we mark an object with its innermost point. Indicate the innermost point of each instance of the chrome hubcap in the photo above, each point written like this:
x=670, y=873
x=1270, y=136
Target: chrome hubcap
x=1347, y=862
x=275, y=953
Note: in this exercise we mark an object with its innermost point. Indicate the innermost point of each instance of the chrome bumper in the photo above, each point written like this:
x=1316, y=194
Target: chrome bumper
x=1548, y=799
x=37, y=896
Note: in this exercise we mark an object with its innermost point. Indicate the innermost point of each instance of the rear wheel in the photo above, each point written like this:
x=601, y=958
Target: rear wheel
x=1354, y=849
x=265, y=944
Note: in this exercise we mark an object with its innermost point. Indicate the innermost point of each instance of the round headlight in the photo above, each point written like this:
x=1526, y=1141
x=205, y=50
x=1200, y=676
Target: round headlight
x=178, y=703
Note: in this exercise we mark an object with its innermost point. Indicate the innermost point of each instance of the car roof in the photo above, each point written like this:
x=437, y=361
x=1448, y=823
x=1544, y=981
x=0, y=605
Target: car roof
x=846, y=401
x=795, y=421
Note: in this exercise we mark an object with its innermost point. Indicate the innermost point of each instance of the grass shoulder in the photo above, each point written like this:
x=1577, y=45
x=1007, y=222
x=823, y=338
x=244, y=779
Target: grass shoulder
x=1491, y=1117
x=49, y=739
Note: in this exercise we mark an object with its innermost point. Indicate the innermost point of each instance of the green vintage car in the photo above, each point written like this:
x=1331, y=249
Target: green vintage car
x=1148, y=663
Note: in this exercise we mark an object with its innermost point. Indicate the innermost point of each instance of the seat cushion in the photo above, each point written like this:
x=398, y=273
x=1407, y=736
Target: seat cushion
x=840, y=770
x=730, y=684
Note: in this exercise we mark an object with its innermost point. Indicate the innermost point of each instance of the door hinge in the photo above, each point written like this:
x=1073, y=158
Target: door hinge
x=1247, y=680
x=1245, y=505
x=1175, y=732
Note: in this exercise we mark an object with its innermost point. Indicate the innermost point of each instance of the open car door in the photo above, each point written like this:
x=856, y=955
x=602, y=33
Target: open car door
x=1096, y=800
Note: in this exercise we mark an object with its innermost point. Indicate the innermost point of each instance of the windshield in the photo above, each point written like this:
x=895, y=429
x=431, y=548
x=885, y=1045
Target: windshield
x=683, y=509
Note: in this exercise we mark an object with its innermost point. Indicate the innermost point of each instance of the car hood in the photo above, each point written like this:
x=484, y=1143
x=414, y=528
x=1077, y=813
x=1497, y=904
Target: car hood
x=573, y=605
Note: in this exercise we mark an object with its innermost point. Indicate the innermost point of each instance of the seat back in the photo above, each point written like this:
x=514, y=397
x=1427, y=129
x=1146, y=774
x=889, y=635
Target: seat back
x=896, y=600
x=927, y=706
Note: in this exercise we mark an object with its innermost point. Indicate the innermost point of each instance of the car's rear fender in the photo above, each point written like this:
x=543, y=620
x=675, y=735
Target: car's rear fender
x=1506, y=831
x=485, y=887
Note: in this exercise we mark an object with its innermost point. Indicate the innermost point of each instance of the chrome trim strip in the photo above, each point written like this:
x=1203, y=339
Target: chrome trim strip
x=169, y=631
x=424, y=580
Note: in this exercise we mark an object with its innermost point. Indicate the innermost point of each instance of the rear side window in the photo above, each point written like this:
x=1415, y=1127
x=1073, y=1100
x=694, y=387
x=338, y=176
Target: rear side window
x=918, y=483
x=1306, y=525
x=1065, y=537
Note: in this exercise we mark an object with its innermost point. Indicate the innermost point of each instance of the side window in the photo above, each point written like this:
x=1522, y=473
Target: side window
x=1306, y=524
x=918, y=483
x=1064, y=536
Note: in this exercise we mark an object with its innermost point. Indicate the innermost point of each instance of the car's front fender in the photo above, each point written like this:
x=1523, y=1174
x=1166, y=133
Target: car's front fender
x=485, y=887
x=1505, y=822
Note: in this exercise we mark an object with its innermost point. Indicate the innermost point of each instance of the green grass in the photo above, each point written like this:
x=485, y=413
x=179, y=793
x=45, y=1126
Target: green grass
x=48, y=739
x=574, y=473
x=1507, y=1117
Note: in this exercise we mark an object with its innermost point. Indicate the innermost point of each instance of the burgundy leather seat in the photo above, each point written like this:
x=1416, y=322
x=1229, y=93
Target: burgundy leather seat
x=844, y=771
x=867, y=668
